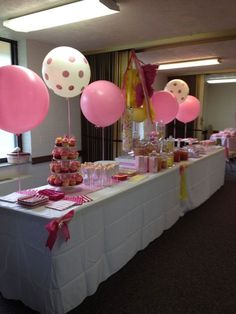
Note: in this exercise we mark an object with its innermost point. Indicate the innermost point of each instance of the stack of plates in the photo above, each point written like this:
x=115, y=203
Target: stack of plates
x=33, y=200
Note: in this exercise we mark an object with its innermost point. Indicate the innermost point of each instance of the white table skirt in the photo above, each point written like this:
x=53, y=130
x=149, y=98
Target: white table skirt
x=204, y=178
x=105, y=235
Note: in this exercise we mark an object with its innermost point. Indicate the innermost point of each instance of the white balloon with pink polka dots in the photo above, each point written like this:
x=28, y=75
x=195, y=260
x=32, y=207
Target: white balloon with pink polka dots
x=178, y=88
x=66, y=71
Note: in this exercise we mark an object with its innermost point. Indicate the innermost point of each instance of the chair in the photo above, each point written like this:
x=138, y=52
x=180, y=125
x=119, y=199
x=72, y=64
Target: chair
x=230, y=150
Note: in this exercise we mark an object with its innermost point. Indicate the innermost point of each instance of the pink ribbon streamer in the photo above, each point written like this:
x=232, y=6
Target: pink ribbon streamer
x=58, y=224
x=144, y=85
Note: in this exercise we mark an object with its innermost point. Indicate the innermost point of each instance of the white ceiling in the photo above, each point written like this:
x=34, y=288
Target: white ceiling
x=161, y=30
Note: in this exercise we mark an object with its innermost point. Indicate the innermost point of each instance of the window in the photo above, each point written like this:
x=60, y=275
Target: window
x=7, y=141
x=8, y=56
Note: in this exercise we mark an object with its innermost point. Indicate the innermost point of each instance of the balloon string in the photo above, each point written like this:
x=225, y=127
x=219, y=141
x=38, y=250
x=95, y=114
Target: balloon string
x=18, y=171
x=19, y=184
x=174, y=128
x=69, y=119
x=185, y=130
x=103, y=145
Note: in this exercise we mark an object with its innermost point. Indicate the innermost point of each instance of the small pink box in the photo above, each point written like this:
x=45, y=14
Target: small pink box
x=153, y=164
x=139, y=164
x=146, y=163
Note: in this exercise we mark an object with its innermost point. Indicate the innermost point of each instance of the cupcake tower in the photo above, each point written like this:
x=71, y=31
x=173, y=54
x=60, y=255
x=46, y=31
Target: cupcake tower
x=65, y=165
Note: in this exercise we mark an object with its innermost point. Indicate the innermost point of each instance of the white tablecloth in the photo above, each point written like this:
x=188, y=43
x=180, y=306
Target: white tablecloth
x=203, y=178
x=105, y=235
x=221, y=137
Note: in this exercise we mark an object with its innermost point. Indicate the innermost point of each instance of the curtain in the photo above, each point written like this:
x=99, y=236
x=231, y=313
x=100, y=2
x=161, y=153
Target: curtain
x=104, y=143
x=199, y=122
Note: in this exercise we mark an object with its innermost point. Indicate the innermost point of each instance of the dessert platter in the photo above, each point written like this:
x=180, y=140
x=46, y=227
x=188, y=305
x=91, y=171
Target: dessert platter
x=65, y=166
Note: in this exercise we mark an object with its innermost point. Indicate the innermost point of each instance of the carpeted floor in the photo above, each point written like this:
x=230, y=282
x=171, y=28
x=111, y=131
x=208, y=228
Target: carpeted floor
x=190, y=269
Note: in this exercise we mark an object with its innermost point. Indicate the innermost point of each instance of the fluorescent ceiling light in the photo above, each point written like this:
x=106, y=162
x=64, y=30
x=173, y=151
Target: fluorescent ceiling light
x=188, y=64
x=221, y=80
x=65, y=14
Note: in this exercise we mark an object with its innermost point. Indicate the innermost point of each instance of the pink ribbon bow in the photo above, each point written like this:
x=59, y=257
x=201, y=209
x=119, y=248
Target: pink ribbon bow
x=58, y=224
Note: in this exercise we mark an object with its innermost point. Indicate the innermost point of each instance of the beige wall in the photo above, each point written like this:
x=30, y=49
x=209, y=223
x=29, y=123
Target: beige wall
x=220, y=106
x=40, y=140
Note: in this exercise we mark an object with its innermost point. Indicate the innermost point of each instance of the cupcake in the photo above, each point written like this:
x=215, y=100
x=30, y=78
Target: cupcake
x=56, y=153
x=72, y=181
x=57, y=181
x=64, y=155
x=71, y=155
x=58, y=141
x=51, y=179
x=65, y=141
x=65, y=182
x=72, y=141
x=64, y=169
x=57, y=167
x=78, y=178
x=51, y=166
x=74, y=166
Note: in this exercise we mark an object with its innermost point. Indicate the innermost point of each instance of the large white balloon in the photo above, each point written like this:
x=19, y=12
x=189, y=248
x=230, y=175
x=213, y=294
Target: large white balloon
x=179, y=89
x=66, y=71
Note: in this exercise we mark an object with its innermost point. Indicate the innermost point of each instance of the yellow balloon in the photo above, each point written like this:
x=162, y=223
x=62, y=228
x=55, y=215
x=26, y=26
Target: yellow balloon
x=132, y=79
x=139, y=114
x=151, y=110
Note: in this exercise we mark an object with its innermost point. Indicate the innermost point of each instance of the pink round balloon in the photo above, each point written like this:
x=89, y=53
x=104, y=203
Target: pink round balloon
x=165, y=106
x=24, y=99
x=102, y=103
x=189, y=109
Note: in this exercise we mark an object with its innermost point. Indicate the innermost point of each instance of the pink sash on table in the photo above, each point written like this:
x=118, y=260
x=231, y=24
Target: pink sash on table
x=58, y=224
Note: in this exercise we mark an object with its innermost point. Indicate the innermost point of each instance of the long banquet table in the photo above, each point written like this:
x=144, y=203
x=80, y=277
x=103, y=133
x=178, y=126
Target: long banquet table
x=104, y=234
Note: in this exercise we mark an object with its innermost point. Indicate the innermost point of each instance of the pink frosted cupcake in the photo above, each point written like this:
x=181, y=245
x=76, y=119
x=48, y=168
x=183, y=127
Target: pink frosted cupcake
x=78, y=178
x=72, y=141
x=64, y=168
x=65, y=141
x=58, y=181
x=72, y=181
x=71, y=155
x=57, y=167
x=56, y=153
x=65, y=182
x=64, y=155
x=51, y=179
x=51, y=166
x=74, y=166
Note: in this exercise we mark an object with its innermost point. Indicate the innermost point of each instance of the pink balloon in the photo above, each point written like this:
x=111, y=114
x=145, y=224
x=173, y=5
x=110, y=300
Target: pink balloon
x=189, y=109
x=102, y=103
x=24, y=99
x=165, y=106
